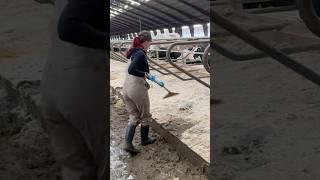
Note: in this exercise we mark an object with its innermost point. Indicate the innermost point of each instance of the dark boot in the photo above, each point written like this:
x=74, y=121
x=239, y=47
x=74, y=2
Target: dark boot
x=145, y=140
x=131, y=128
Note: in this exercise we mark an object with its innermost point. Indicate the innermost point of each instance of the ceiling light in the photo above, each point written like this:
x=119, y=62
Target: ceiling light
x=132, y=2
x=197, y=25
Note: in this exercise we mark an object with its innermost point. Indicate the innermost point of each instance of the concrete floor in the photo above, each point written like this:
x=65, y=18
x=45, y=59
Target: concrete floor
x=267, y=126
x=187, y=115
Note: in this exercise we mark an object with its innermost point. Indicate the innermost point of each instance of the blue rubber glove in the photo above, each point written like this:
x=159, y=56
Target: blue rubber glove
x=151, y=77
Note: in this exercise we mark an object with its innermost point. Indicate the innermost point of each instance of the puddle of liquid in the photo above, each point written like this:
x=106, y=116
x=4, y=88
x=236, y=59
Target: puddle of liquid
x=117, y=166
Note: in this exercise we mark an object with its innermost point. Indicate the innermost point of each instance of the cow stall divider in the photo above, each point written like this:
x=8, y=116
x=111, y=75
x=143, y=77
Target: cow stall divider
x=156, y=62
x=257, y=6
x=123, y=56
x=277, y=54
x=251, y=56
x=208, y=52
x=181, y=69
x=258, y=28
x=312, y=44
x=272, y=9
x=307, y=12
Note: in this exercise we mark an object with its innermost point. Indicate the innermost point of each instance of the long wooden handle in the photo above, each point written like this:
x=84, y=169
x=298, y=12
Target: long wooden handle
x=166, y=89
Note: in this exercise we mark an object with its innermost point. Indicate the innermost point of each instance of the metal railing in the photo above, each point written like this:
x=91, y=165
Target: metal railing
x=162, y=67
x=278, y=55
x=250, y=56
x=181, y=69
x=309, y=16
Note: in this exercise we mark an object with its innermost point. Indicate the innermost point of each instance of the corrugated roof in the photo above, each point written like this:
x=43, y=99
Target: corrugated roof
x=126, y=15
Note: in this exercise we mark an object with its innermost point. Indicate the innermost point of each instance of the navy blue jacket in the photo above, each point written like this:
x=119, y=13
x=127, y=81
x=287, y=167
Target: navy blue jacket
x=84, y=23
x=316, y=4
x=139, y=63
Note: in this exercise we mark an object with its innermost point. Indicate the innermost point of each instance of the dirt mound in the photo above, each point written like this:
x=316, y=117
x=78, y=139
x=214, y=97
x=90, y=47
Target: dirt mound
x=24, y=146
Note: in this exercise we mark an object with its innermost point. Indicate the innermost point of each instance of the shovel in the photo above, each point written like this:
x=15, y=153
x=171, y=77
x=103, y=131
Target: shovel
x=170, y=94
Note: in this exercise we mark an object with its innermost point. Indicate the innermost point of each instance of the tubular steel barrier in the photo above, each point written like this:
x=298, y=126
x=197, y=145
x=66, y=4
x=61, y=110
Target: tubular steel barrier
x=267, y=49
x=309, y=16
x=181, y=69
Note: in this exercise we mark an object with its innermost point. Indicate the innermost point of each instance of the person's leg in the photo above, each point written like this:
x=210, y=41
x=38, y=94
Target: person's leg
x=138, y=105
x=69, y=147
x=94, y=133
x=133, y=112
x=132, y=124
x=82, y=99
x=143, y=105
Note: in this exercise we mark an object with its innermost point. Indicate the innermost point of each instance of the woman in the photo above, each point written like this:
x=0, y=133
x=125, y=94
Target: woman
x=135, y=91
x=74, y=89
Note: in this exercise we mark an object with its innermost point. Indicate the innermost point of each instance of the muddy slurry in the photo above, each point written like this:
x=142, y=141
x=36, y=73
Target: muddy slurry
x=24, y=145
x=158, y=161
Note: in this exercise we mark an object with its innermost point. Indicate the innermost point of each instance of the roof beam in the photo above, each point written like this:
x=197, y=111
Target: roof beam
x=121, y=29
x=126, y=19
x=172, y=16
x=178, y=10
x=150, y=14
x=146, y=19
x=135, y=21
x=195, y=7
x=119, y=23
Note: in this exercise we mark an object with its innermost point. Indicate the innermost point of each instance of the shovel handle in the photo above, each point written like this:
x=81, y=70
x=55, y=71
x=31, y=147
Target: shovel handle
x=166, y=89
x=160, y=83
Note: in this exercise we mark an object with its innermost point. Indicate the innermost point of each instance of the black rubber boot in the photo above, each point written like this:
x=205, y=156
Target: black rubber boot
x=145, y=140
x=128, y=146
